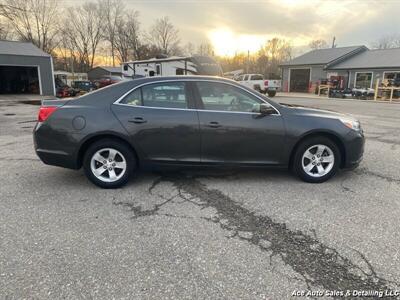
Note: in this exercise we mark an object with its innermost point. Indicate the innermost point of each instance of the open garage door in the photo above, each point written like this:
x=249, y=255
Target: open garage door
x=19, y=80
x=299, y=80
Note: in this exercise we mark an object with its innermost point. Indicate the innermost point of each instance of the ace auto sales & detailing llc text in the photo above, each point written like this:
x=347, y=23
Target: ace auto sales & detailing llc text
x=347, y=293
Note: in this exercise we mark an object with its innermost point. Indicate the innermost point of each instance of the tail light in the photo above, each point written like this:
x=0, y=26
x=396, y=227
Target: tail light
x=266, y=82
x=45, y=112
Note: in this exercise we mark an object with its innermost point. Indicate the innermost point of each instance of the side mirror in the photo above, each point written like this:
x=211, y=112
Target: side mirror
x=264, y=109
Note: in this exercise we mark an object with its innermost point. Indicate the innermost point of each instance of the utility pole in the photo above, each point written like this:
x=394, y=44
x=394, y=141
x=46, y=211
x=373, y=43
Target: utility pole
x=248, y=61
x=333, y=42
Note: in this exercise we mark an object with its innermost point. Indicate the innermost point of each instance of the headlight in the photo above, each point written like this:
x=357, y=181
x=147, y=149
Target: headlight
x=355, y=125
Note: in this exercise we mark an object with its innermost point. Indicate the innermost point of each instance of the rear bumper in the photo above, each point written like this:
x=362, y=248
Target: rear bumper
x=56, y=158
x=47, y=150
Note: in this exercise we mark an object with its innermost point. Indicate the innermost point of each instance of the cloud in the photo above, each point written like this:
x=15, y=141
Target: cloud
x=351, y=21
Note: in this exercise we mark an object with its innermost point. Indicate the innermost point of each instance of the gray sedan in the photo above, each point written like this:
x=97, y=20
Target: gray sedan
x=191, y=121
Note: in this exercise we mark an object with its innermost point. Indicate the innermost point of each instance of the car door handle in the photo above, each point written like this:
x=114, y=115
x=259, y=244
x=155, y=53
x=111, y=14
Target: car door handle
x=137, y=120
x=214, y=125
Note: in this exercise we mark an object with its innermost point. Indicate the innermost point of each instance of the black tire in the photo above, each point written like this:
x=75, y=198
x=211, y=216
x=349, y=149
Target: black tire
x=271, y=93
x=121, y=147
x=257, y=88
x=303, y=147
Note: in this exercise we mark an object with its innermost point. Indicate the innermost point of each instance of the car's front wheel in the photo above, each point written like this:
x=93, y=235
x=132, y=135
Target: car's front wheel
x=316, y=159
x=109, y=163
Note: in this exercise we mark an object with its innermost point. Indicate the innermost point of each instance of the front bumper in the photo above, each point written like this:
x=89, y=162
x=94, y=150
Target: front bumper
x=354, y=147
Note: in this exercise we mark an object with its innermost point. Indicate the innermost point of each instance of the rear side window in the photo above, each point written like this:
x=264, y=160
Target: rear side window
x=165, y=95
x=134, y=98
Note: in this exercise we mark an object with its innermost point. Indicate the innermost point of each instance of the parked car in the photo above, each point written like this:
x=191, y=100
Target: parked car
x=63, y=90
x=191, y=120
x=83, y=86
x=107, y=80
x=258, y=83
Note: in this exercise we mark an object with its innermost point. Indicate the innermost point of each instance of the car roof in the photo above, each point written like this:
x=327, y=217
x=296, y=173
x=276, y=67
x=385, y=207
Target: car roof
x=181, y=77
x=111, y=93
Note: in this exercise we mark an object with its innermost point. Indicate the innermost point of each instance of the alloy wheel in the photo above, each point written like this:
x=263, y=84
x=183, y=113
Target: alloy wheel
x=108, y=165
x=318, y=160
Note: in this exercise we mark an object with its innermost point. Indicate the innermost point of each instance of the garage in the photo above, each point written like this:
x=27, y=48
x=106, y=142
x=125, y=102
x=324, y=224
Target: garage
x=19, y=80
x=299, y=80
x=305, y=72
x=25, y=69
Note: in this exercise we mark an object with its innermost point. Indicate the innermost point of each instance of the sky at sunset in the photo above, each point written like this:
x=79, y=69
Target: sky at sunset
x=236, y=25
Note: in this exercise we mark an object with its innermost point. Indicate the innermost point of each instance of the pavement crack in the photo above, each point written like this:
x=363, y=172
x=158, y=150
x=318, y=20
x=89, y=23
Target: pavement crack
x=29, y=121
x=19, y=159
x=138, y=211
x=318, y=264
x=362, y=171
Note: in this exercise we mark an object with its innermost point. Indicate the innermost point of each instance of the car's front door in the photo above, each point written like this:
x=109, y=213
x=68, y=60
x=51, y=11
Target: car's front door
x=162, y=122
x=231, y=132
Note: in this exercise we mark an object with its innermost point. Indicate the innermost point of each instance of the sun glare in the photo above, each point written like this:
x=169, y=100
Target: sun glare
x=227, y=43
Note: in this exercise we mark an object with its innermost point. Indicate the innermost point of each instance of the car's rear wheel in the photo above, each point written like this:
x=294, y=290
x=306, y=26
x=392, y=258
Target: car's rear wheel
x=109, y=163
x=316, y=159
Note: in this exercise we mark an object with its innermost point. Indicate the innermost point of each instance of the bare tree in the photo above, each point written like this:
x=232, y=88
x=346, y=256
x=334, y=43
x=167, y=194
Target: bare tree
x=206, y=49
x=84, y=33
x=266, y=61
x=387, y=42
x=114, y=11
x=127, y=41
x=5, y=30
x=33, y=20
x=147, y=51
x=64, y=57
x=318, y=44
x=188, y=49
x=165, y=36
x=277, y=51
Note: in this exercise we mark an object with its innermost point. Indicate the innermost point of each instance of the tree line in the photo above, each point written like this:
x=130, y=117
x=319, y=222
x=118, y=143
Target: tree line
x=108, y=32
x=79, y=35
x=76, y=35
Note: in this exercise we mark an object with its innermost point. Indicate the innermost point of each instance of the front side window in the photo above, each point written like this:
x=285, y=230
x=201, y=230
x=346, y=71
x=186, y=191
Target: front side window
x=363, y=80
x=166, y=95
x=225, y=97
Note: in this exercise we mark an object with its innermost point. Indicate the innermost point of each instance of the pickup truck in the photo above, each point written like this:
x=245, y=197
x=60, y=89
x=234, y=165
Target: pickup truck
x=258, y=83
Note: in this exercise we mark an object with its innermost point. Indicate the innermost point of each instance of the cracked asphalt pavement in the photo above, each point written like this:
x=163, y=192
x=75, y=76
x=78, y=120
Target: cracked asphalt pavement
x=199, y=234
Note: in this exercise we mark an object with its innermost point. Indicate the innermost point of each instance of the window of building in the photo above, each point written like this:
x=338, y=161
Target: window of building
x=363, y=80
x=391, y=76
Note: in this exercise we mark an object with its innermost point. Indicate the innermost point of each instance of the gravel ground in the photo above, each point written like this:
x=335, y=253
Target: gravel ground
x=205, y=234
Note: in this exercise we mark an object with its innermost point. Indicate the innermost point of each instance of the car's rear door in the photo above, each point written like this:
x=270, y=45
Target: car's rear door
x=162, y=122
x=231, y=132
